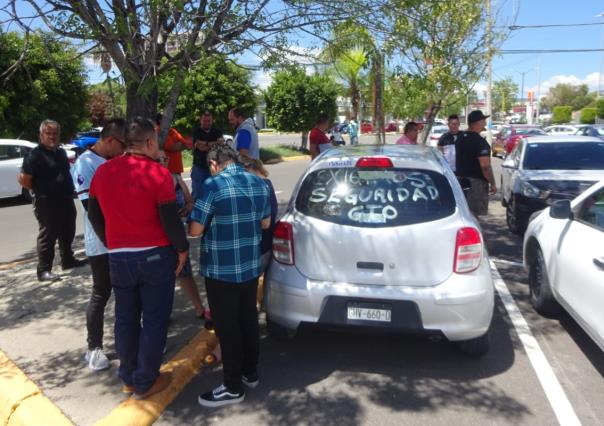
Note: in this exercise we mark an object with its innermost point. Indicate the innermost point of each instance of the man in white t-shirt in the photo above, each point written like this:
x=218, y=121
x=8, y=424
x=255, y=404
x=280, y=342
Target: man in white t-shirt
x=446, y=143
x=111, y=144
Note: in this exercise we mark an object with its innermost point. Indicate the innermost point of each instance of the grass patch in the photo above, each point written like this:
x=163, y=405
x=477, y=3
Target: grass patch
x=276, y=154
x=187, y=158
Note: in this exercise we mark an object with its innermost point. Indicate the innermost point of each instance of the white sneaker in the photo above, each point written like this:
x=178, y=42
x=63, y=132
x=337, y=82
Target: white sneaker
x=97, y=360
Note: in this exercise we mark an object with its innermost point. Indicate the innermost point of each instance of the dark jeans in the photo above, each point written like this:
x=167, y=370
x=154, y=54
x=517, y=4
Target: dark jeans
x=56, y=219
x=198, y=177
x=235, y=318
x=101, y=290
x=143, y=284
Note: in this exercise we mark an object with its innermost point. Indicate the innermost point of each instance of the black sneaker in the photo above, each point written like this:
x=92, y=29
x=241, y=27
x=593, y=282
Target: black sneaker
x=250, y=380
x=219, y=397
x=73, y=263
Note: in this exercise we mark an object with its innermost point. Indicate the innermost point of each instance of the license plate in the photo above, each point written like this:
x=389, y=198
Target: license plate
x=369, y=314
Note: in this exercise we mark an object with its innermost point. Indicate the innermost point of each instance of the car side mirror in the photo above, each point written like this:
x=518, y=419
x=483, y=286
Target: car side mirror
x=509, y=163
x=561, y=210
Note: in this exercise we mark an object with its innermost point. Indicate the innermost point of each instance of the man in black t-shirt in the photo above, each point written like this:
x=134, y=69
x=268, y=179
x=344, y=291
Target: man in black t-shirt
x=203, y=137
x=473, y=162
x=45, y=171
x=446, y=143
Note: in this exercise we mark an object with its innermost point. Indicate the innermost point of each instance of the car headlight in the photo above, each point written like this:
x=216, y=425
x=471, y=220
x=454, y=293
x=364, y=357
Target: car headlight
x=531, y=191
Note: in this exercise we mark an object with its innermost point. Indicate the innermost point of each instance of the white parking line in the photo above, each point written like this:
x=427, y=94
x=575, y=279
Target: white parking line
x=549, y=382
x=507, y=262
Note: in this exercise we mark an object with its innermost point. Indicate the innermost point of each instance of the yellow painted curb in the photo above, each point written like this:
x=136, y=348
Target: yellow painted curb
x=184, y=366
x=296, y=158
x=22, y=402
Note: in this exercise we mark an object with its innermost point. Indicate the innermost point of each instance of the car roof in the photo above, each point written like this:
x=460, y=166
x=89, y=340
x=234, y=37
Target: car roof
x=562, y=138
x=18, y=142
x=404, y=156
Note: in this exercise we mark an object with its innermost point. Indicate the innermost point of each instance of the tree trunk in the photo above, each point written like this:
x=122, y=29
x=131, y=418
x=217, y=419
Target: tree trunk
x=430, y=121
x=304, y=141
x=380, y=136
x=138, y=105
x=170, y=107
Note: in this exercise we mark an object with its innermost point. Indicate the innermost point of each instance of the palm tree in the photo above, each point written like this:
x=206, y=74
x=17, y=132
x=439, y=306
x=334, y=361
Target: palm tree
x=349, y=66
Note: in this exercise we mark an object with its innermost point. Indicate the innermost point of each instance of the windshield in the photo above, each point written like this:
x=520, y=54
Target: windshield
x=375, y=197
x=564, y=156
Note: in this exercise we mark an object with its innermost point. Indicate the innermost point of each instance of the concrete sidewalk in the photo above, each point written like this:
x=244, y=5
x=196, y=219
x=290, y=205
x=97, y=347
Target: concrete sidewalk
x=43, y=331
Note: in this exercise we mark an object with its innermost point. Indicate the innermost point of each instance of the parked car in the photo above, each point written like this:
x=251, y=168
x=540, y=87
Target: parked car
x=592, y=130
x=542, y=170
x=12, y=152
x=366, y=127
x=83, y=140
x=392, y=126
x=561, y=129
x=564, y=257
x=435, y=133
x=509, y=137
x=422, y=265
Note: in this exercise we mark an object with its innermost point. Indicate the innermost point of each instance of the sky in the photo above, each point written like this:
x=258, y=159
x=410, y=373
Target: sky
x=552, y=68
x=546, y=68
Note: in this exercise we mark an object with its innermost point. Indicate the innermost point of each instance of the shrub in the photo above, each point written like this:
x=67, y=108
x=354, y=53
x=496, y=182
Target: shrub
x=562, y=114
x=600, y=108
x=588, y=116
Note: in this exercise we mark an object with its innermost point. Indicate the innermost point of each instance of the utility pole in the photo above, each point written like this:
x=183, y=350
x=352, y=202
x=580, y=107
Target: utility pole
x=600, y=15
x=490, y=72
x=538, y=87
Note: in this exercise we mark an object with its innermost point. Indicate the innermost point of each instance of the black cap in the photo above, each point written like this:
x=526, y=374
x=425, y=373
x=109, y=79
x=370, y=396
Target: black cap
x=475, y=116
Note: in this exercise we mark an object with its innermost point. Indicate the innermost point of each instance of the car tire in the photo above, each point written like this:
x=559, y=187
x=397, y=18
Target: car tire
x=26, y=195
x=504, y=203
x=278, y=332
x=516, y=223
x=477, y=346
x=541, y=295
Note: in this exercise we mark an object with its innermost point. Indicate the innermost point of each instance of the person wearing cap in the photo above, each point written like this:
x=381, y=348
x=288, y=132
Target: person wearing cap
x=473, y=162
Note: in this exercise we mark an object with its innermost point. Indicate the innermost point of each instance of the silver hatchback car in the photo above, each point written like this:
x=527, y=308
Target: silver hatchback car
x=381, y=236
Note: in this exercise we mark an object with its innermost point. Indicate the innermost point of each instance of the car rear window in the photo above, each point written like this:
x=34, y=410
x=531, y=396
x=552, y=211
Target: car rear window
x=375, y=198
x=564, y=156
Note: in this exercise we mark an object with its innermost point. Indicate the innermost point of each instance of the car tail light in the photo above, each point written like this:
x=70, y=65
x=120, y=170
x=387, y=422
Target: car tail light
x=380, y=162
x=283, y=243
x=468, y=250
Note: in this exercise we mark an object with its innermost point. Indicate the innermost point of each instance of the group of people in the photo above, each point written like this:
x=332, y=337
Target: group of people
x=137, y=214
x=318, y=140
x=468, y=154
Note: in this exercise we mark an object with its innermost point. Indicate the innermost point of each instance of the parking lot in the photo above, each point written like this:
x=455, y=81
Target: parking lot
x=539, y=371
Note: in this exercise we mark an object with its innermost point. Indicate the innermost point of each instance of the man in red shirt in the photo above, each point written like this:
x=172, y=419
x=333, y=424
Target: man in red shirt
x=132, y=208
x=174, y=144
x=317, y=139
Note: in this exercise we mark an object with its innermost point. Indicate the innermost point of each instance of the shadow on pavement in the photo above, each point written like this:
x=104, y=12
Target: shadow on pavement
x=322, y=377
x=12, y=202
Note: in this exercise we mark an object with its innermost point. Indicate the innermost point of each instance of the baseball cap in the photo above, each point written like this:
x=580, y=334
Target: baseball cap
x=475, y=116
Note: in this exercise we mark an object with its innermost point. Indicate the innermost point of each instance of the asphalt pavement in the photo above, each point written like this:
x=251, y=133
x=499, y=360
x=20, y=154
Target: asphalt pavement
x=323, y=376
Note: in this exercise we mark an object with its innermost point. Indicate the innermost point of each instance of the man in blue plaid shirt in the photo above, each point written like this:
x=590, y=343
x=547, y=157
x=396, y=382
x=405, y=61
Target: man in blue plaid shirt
x=230, y=213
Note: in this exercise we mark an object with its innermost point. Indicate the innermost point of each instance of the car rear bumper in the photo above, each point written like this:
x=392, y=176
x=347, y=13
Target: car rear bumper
x=460, y=308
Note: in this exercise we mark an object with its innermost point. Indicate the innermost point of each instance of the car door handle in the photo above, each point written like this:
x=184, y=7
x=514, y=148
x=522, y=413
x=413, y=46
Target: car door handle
x=599, y=262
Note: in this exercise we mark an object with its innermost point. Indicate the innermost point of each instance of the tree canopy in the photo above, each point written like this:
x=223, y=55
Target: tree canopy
x=213, y=84
x=294, y=100
x=504, y=95
x=47, y=82
x=575, y=96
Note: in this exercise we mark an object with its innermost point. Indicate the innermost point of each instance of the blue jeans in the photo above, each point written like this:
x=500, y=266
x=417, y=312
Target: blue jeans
x=143, y=284
x=198, y=177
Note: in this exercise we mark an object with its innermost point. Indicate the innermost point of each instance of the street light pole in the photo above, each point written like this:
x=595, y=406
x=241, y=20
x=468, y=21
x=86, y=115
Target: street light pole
x=600, y=15
x=490, y=71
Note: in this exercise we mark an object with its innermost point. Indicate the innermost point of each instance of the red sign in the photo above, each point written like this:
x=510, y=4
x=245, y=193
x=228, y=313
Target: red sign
x=519, y=108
